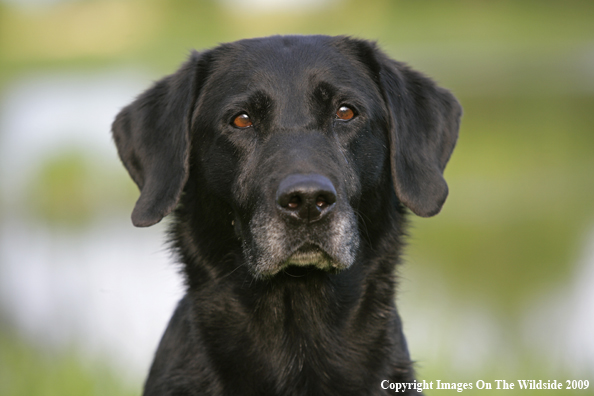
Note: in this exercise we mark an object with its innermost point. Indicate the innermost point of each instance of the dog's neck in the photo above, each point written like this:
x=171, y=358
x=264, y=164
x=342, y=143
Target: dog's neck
x=317, y=326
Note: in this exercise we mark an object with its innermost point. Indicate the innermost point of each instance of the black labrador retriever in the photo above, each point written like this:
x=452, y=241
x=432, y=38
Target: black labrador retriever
x=288, y=163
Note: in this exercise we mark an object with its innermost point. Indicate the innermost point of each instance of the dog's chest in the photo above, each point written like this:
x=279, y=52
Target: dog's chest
x=293, y=346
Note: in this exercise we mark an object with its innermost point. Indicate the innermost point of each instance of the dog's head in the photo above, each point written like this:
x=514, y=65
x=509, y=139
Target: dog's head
x=295, y=135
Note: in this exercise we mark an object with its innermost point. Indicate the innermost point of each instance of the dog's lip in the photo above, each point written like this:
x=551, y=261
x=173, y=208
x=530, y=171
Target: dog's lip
x=312, y=255
x=308, y=254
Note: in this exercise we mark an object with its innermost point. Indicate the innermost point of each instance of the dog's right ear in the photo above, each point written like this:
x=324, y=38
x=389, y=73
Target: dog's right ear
x=152, y=135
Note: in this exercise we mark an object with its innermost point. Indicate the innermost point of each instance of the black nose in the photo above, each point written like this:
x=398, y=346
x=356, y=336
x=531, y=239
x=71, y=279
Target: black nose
x=306, y=197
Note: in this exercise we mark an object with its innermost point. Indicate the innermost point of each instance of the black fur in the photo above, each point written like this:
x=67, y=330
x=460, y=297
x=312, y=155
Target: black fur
x=287, y=299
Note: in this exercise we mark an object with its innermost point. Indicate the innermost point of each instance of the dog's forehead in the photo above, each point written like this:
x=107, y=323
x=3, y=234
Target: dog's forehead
x=286, y=61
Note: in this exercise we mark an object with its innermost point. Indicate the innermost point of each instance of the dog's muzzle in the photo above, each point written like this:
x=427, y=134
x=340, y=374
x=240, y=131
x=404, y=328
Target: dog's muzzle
x=312, y=227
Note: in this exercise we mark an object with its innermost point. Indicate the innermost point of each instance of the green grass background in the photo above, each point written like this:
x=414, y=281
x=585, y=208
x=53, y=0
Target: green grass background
x=521, y=178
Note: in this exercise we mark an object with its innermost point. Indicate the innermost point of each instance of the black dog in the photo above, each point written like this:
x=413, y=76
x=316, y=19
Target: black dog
x=289, y=162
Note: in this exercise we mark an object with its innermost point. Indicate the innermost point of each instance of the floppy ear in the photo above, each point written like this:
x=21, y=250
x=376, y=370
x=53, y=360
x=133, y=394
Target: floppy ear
x=424, y=122
x=152, y=137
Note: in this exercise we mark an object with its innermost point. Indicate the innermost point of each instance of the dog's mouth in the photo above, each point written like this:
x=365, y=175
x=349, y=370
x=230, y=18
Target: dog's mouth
x=310, y=255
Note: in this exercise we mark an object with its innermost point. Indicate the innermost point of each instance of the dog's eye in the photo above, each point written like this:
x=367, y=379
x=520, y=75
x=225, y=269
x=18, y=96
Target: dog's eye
x=345, y=113
x=242, y=121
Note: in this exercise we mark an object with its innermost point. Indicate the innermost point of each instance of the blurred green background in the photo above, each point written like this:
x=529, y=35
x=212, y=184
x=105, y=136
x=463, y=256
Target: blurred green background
x=500, y=285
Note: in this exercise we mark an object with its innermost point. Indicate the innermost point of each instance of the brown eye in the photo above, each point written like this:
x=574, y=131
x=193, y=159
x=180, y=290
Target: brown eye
x=345, y=113
x=242, y=121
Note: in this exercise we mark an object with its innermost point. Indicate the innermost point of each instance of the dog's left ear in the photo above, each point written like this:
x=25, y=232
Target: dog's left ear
x=424, y=123
x=152, y=137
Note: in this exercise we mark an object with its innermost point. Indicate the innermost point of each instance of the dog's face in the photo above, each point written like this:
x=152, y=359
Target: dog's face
x=293, y=140
x=292, y=133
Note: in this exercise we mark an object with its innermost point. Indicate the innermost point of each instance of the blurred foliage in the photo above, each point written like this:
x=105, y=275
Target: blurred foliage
x=521, y=179
x=73, y=188
x=521, y=197
x=159, y=31
x=26, y=370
